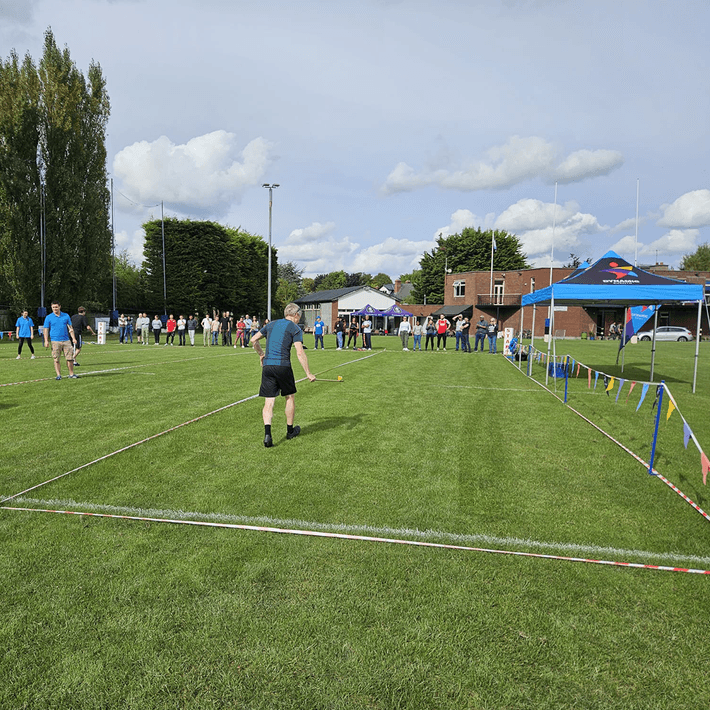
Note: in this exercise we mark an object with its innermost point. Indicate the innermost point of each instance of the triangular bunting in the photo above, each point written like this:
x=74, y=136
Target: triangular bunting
x=621, y=385
x=687, y=433
x=631, y=389
x=578, y=366
x=643, y=395
x=589, y=379
x=596, y=377
x=706, y=465
x=610, y=386
x=671, y=407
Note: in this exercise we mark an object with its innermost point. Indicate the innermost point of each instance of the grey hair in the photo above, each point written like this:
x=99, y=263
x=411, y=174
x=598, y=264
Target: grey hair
x=292, y=309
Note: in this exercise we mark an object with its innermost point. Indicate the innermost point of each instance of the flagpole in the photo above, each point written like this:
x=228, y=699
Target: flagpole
x=623, y=336
x=493, y=248
x=636, y=239
x=697, y=344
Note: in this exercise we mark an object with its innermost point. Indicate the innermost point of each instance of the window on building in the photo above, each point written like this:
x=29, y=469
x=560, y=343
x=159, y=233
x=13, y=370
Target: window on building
x=459, y=288
x=532, y=285
x=498, y=292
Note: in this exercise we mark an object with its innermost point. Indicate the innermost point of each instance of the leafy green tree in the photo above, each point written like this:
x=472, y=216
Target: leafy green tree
x=309, y=285
x=380, y=280
x=130, y=284
x=207, y=267
x=468, y=251
x=53, y=164
x=699, y=260
x=328, y=282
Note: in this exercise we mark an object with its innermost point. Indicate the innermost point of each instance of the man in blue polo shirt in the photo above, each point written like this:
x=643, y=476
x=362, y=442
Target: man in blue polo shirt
x=58, y=329
x=276, y=372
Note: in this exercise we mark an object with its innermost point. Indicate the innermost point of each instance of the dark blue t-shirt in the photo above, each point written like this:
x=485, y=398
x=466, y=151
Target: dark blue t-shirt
x=280, y=336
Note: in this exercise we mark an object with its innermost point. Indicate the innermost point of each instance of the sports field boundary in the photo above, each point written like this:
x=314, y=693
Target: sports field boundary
x=360, y=538
x=655, y=473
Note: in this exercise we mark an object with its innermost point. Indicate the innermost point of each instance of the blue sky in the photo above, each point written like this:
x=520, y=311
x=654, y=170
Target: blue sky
x=388, y=122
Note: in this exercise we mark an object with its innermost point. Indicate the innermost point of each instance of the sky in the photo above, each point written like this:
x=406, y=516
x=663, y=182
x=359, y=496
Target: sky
x=386, y=123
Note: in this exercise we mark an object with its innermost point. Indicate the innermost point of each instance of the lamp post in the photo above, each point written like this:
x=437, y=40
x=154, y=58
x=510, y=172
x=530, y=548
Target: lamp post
x=270, y=187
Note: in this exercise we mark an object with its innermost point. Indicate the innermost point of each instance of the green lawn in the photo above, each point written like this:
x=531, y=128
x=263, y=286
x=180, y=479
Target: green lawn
x=437, y=447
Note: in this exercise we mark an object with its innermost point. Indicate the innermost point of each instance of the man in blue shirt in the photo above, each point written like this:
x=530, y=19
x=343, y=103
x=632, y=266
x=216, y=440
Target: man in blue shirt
x=25, y=329
x=58, y=329
x=276, y=372
x=318, y=328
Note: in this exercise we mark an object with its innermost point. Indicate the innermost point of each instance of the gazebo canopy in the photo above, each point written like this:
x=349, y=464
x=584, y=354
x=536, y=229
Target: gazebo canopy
x=397, y=311
x=613, y=281
x=368, y=310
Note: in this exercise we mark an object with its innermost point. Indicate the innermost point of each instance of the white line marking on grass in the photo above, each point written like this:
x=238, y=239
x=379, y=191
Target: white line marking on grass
x=356, y=537
x=361, y=529
x=495, y=389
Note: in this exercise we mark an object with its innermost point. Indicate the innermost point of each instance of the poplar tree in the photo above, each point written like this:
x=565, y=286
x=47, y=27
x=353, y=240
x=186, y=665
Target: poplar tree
x=53, y=167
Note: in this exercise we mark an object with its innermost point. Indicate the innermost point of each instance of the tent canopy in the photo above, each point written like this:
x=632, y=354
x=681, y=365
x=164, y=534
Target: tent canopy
x=613, y=281
x=396, y=311
x=368, y=310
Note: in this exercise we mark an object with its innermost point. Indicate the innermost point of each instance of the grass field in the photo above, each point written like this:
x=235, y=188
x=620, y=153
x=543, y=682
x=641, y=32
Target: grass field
x=461, y=450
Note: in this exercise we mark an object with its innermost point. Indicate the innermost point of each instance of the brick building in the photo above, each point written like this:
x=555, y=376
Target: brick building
x=500, y=294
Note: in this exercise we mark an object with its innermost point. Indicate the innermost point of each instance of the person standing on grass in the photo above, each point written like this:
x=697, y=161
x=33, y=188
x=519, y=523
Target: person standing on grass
x=206, y=330
x=458, y=331
x=157, y=325
x=339, y=333
x=318, y=328
x=430, y=329
x=224, y=327
x=481, y=332
x=145, y=328
x=404, y=331
x=216, y=325
x=492, y=336
x=58, y=328
x=191, y=328
x=24, y=332
x=465, y=338
x=171, y=326
x=367, y=333
x=352, y=333
x=442, y=328
x=79, y=322
x=122, y=325
x=417, y=329
x=276, y=371
x=181, y=328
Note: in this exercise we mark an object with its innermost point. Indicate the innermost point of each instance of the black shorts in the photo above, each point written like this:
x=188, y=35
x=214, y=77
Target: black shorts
x=277, y=379
x=79, y=342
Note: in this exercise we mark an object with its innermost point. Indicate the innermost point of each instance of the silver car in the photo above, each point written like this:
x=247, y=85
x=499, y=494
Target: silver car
x=669, y=332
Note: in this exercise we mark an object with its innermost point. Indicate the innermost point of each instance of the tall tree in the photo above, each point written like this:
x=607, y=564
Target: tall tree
x=699, y=260
x=468, y=251
x=52, y=145
x=207, y=267
x=330, y=281
x=380, y=280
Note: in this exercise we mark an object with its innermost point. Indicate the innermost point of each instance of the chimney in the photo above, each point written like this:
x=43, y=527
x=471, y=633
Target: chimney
x=397, y=286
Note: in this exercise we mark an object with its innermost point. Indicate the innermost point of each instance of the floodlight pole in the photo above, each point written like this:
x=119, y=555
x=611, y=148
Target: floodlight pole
x=270, y=187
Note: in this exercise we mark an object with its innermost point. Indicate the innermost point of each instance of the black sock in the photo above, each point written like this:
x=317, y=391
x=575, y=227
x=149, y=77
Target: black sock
x=289, y=428
x=267, y=429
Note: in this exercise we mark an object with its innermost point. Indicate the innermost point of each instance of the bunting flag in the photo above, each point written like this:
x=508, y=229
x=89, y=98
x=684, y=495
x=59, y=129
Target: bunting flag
x=596, y=377
x=621, y=385
x=589, y=379
x=687, y=433
x=671, y=407
x=631, y=389
x=643, y=396
x=706, y=465
x=636, y=316
x=578, y=368
x=610, y=386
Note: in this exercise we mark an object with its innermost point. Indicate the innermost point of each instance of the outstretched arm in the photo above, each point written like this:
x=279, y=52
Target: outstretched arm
x=301, y=353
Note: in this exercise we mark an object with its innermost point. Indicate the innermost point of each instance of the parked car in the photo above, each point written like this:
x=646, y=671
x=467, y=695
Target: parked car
x=669, y=332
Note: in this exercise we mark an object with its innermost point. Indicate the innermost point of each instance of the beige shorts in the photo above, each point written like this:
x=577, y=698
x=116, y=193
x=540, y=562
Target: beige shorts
x=62, y=346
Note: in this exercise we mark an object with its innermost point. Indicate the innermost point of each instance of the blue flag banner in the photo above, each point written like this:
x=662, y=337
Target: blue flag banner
x=643, y=395
x=687, y=433
x=636, y=316
x=596, y=377
x=621, y=384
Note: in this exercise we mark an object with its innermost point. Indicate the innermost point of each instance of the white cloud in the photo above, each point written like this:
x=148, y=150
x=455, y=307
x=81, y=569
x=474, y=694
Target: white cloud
x=208, y=172
x=532, y=222
x=312, y=233
x=462, y=219
x=392, y=257
x=626, y=224
x=676, y=241
x=132, y=243
x=627, y=247
x=21, y=11
x=584, y=164
x=503, y=166
x=690, y=210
